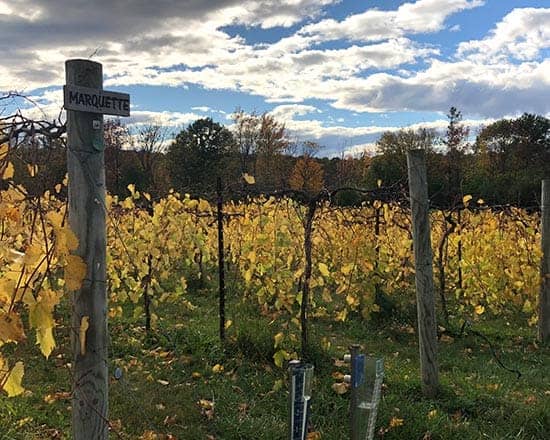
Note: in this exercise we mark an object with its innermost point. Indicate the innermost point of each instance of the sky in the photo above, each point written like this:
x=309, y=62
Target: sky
x=336, y=72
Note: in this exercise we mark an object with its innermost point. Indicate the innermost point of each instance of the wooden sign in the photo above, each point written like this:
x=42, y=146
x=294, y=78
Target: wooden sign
x=84, y=99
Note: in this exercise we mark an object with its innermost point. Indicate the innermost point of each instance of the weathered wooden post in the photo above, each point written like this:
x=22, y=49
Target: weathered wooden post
x=86, y=102
x=425, y=303
x=544, y=296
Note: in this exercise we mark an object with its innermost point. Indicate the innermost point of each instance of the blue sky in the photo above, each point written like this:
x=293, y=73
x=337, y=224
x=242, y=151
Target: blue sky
x=335, y=72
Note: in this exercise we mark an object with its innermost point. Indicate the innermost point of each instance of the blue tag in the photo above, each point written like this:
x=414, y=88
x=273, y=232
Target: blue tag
x=358, y=368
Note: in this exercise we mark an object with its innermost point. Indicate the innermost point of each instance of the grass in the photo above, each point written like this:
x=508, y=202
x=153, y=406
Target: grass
x=168, y=382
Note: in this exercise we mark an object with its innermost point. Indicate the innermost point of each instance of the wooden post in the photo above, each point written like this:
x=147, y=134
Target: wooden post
x=85, y=165
x=544, y=296
x=221, y=262
x=425, y=304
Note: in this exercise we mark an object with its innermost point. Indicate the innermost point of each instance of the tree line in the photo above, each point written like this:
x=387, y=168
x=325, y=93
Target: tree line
x=503, y=163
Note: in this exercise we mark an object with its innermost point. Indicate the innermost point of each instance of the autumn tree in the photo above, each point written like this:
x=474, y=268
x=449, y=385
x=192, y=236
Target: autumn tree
x=307, y=174
x=262, y=143
x=149, y=146
x=199, y=154
x=455, y=141
x=512, y=156
x=116, y=137
x=390, y=164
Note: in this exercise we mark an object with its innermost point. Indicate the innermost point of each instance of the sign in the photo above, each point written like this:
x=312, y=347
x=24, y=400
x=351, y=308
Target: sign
x=84, y=99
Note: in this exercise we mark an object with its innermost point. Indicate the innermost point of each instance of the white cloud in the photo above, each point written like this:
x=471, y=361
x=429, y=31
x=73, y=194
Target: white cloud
x=179, y=43
x=422, y=16
x=522, y=34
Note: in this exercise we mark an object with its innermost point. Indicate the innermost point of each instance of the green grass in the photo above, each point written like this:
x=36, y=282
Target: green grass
x=161, y=389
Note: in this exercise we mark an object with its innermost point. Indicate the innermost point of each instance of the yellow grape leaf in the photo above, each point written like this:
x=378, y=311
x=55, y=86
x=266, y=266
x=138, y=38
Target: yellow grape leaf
x=251, y=256
x=8, y=171
x=395, y=422
x=32, y=169
x=278, y=385
x=466, y=199
x=66, y=240
x=527, y=306
x=41, y=318
x=204, y=205
x=228, y=324
x=249, y=179
x=323, y=268
x=278, y=338
x=55, y=219
x=46, y=341
x=32, y=254
x=12, y=385
x=217, y=369
x=432, y=413
x=279, y=357
x=11, y=328
x=479, y=309
x=84, y=325
x=346, y=270
x=248, y=275
x=75, y=272
x=341, y=315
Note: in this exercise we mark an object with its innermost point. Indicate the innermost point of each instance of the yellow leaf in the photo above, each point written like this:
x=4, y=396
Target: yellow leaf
x=46, y=341
x=75, y=272
x=217, y=369
x=32, y=169
x=84, y=325
x=432, y=413
x=249, y=179
x=204, y=205
x=228, y=324
x=8, y=171
x=479, y=309
x=278, y=339
x=527, y=306
x=466, y=199
x=395, y=422
x=323, y=268
x=33, y=254
x=58, y=188
x=346, y=270
x=279, y=357
x=11, y=328
x=340, y=387
x=41, y=318
x=12, y=385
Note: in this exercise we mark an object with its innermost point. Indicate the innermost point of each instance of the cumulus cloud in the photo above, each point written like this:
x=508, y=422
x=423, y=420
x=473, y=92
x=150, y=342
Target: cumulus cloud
x=422, y=16
x=522, y=34
x=370, y=61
